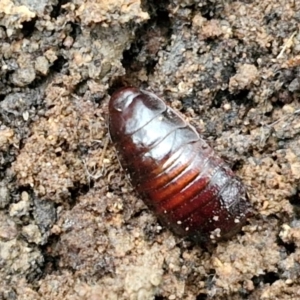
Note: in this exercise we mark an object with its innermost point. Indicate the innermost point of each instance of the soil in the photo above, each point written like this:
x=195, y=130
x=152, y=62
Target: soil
x=71, y=225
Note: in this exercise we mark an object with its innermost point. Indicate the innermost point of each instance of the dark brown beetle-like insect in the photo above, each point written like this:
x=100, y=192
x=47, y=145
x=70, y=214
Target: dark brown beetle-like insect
x=191, y=190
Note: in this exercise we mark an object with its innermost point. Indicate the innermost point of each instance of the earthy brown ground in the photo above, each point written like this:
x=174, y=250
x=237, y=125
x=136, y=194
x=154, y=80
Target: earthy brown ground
x=71, y=226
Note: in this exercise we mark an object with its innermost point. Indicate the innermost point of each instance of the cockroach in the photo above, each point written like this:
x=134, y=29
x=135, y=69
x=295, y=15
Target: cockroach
x=191, y=190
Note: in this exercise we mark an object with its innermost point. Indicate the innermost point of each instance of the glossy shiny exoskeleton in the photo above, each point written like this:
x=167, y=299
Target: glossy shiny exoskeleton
x=191, y=190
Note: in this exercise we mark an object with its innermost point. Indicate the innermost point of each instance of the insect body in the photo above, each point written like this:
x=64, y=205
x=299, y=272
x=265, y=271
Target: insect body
x=191, y=190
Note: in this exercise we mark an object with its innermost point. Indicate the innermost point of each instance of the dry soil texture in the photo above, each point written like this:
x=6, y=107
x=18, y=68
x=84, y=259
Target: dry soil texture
x=71, y=226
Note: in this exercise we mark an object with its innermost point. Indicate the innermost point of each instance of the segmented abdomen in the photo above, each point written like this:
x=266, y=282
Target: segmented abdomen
x=191, y=189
